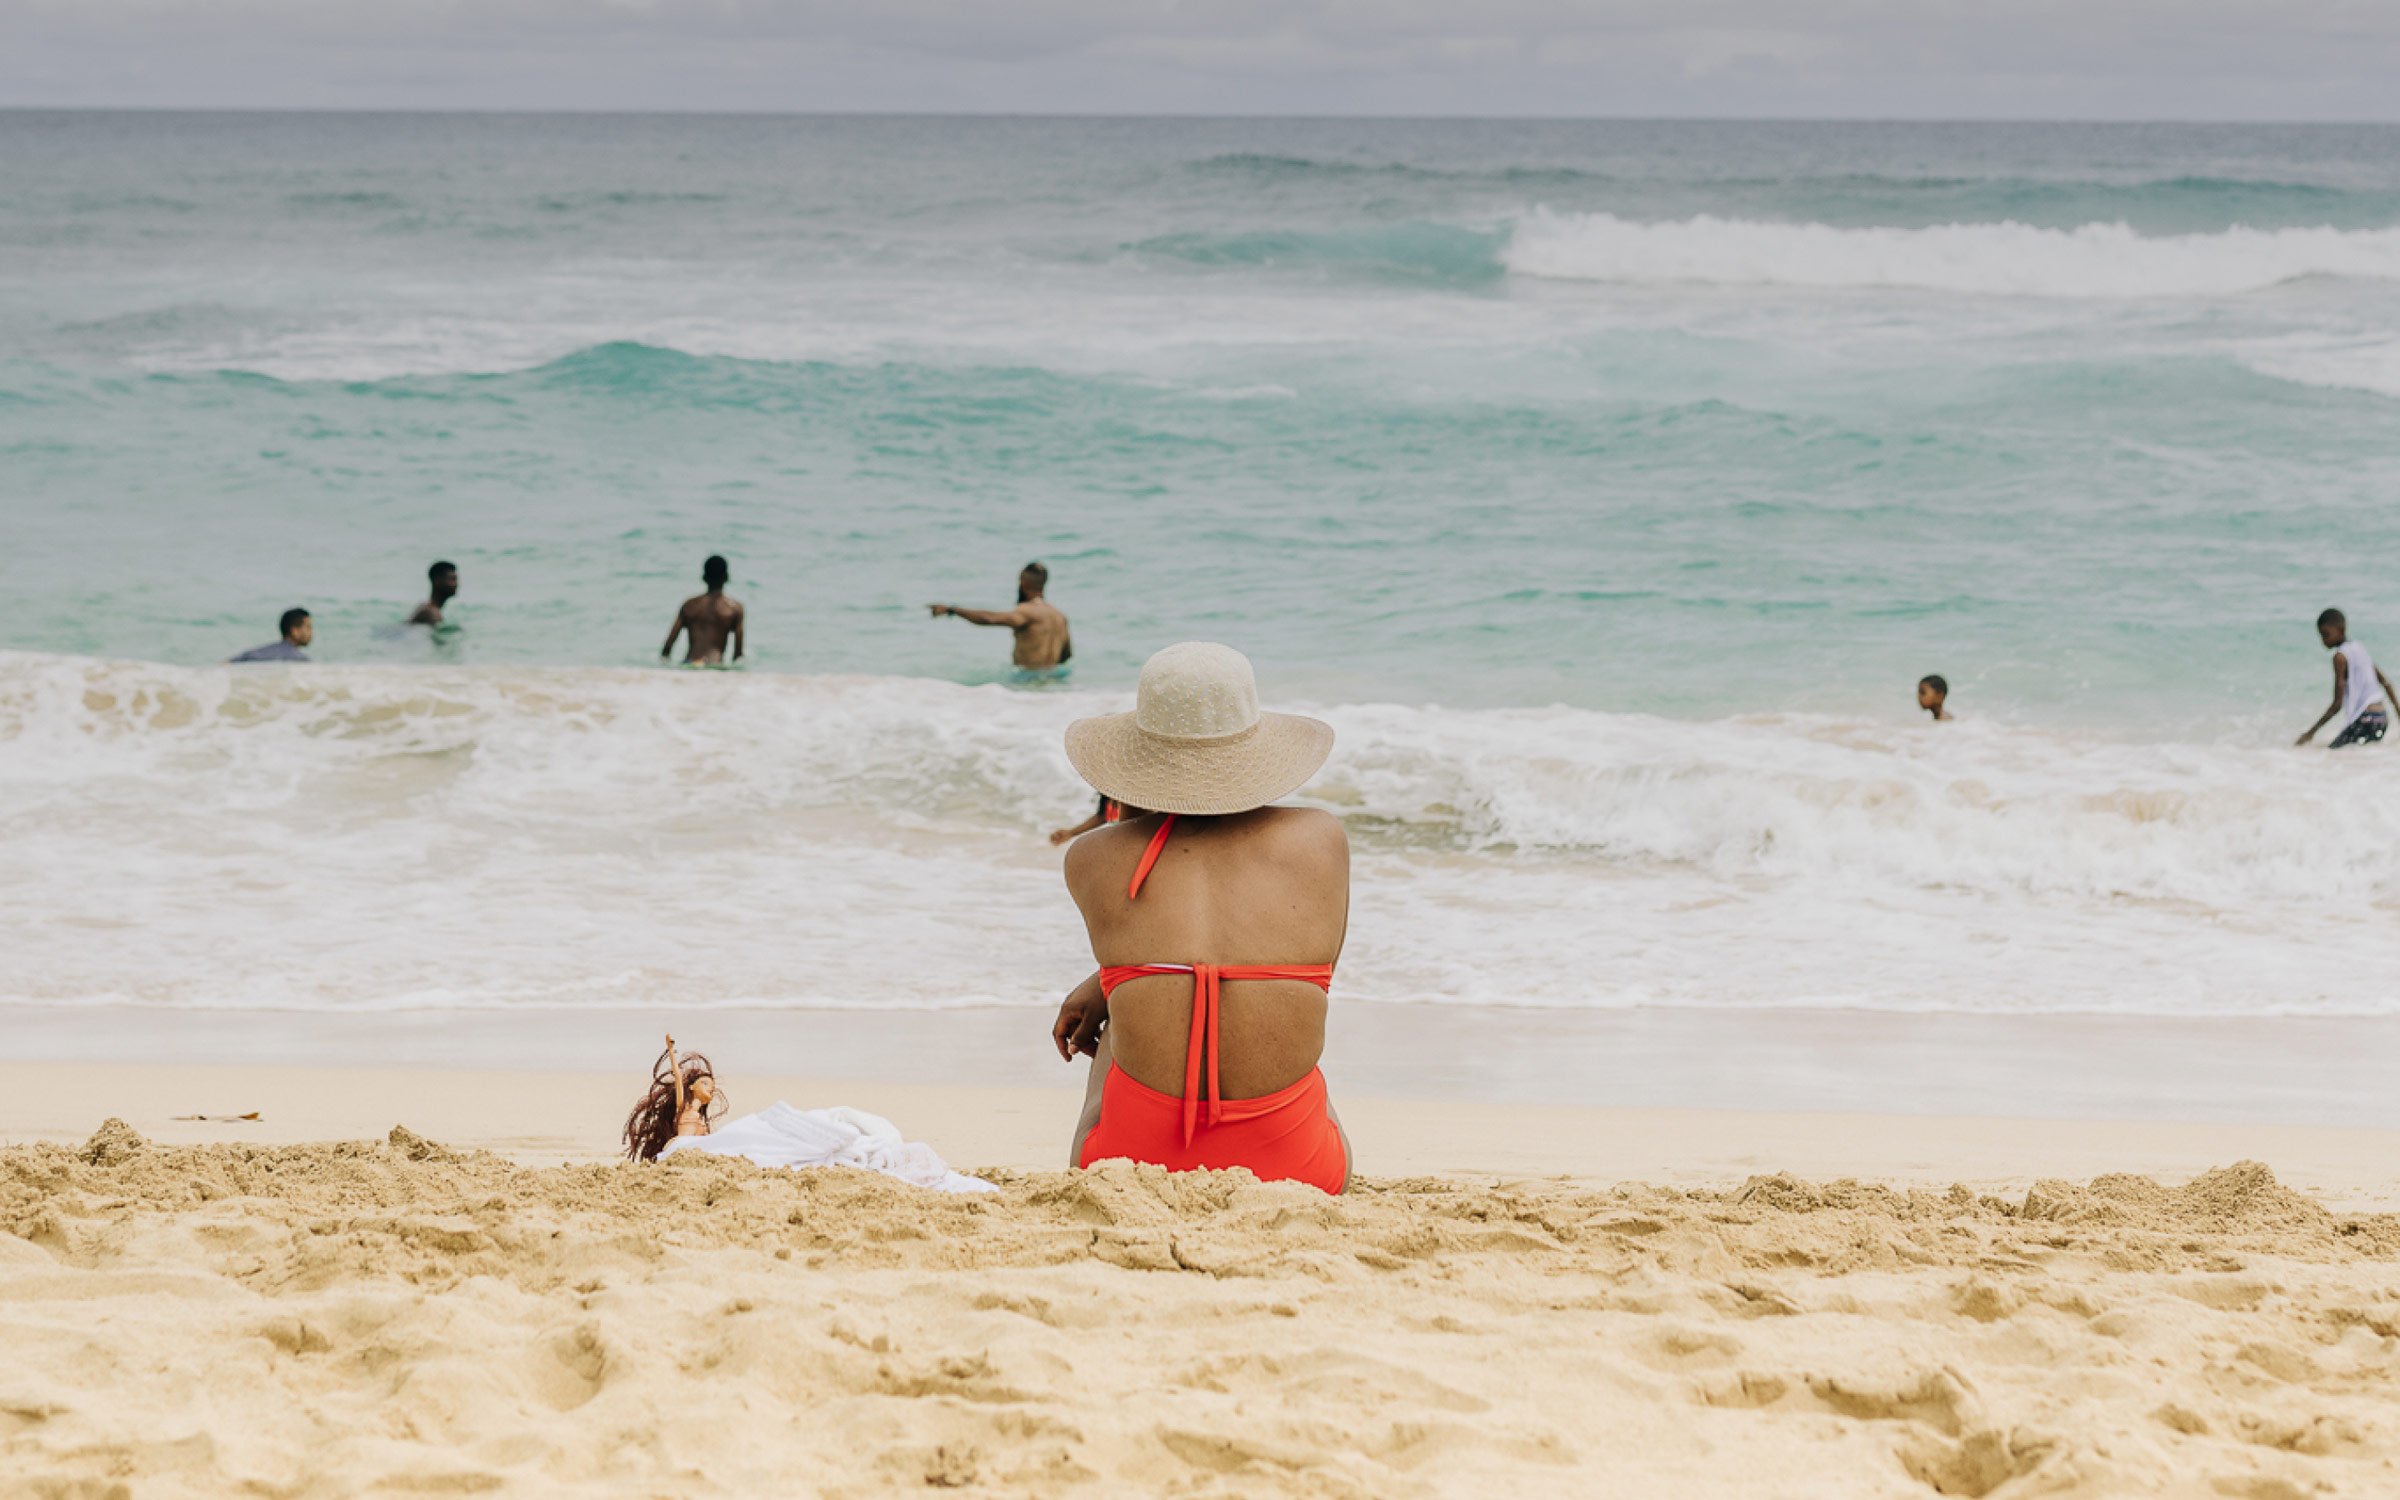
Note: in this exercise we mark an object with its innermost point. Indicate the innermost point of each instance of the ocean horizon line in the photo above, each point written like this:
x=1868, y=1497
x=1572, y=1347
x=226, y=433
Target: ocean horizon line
x=2127, y=122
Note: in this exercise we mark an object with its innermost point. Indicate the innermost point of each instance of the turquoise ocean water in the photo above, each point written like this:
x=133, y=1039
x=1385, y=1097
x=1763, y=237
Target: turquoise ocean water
x=1687, y=418
x=1609, y=484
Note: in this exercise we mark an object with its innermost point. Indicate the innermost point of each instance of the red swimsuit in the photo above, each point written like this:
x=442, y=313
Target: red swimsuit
x=1286, y=1135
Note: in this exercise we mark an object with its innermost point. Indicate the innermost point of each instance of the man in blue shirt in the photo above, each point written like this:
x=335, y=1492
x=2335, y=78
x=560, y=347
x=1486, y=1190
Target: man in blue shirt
x=298, y=631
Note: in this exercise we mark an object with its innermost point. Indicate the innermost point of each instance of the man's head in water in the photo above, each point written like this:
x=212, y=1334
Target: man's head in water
x=1932, y=692
x=444, y=578
x=1032, y=581
x=714, y=572
x=2332, y=629
x=297, y=627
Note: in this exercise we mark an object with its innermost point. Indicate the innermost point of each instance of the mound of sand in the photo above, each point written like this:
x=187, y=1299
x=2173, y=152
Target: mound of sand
x=369, y=1318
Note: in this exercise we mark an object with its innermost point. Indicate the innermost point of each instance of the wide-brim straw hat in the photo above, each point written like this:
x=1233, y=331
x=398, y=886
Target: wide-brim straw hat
x=1196, y=742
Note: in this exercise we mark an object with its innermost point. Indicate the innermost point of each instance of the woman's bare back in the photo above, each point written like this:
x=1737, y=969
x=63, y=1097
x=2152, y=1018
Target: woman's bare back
x=1270, y=886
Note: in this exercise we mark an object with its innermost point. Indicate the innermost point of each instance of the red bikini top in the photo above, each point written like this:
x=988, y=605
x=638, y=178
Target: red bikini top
x=1207, y=994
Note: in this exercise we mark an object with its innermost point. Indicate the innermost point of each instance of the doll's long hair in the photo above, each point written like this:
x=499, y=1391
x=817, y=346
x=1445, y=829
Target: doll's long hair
x=652, y=1123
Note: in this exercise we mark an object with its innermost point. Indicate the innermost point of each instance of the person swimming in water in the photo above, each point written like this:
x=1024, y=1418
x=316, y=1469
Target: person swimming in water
x=1042, y=641
x=296, y=629
x=709, y=618
x=443, y=579
x=1210, y=1059
x=1932, y=692
x=2362, y=695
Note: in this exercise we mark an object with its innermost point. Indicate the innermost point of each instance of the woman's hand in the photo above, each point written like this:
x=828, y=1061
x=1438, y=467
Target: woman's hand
x=1081, y=1018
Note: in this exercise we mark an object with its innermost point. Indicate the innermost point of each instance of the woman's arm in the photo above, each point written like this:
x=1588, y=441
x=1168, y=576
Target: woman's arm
x=1081, y=1018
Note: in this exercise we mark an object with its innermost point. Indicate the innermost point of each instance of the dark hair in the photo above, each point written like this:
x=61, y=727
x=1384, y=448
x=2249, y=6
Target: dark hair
x=714, y=570
x=1936, y=682
x=1035, y=571
x=290, y=621
x=652, y=1123
x=438, y=569
x=2331, y=617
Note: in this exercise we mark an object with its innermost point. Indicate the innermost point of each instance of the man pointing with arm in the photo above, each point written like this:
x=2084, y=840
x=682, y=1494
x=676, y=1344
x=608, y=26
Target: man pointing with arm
x=1042, y=642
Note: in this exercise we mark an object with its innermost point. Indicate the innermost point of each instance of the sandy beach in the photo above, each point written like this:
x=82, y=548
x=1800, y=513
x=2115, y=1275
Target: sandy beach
x=198, y=1308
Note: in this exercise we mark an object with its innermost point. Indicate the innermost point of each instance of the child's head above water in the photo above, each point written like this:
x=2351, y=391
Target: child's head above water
x=1932, y=692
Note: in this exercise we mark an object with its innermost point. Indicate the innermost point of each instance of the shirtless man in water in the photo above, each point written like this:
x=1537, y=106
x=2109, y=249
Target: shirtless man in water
x=442, y=578
x=710, y=618
x=1042, y=641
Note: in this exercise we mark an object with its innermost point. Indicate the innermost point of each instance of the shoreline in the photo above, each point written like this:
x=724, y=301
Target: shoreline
x=543, y=1119
x=2334, y=1072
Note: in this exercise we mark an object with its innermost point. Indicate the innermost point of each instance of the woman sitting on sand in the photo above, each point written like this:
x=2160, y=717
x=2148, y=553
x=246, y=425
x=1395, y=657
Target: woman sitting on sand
x=1217, y=920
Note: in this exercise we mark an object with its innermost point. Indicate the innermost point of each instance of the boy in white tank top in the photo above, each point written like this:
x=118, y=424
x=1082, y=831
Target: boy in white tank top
x=2362, y=695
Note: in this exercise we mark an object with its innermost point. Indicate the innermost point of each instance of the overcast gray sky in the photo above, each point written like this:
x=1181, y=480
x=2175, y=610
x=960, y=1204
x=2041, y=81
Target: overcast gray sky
x=2020, y=59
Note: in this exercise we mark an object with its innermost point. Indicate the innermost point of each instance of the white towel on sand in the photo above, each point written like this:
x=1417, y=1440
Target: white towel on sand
x=836, y=1137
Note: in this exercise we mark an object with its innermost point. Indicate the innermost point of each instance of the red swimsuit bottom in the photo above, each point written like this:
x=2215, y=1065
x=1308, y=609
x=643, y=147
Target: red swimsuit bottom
x=1288, y=1135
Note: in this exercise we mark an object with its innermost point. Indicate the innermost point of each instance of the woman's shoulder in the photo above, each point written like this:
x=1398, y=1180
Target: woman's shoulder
x=1301, y=832
x=1103, y=857
x=1304, y=822
x=1094, y=856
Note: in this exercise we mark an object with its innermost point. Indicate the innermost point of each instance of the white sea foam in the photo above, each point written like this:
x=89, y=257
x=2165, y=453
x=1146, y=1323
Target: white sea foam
x=398, y=838
x=2002, y=259
x=2354, y=363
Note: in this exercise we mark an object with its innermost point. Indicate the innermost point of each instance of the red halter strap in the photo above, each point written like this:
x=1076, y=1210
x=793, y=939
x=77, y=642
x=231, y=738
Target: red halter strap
x=1158, y=846
x=1208, y=994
